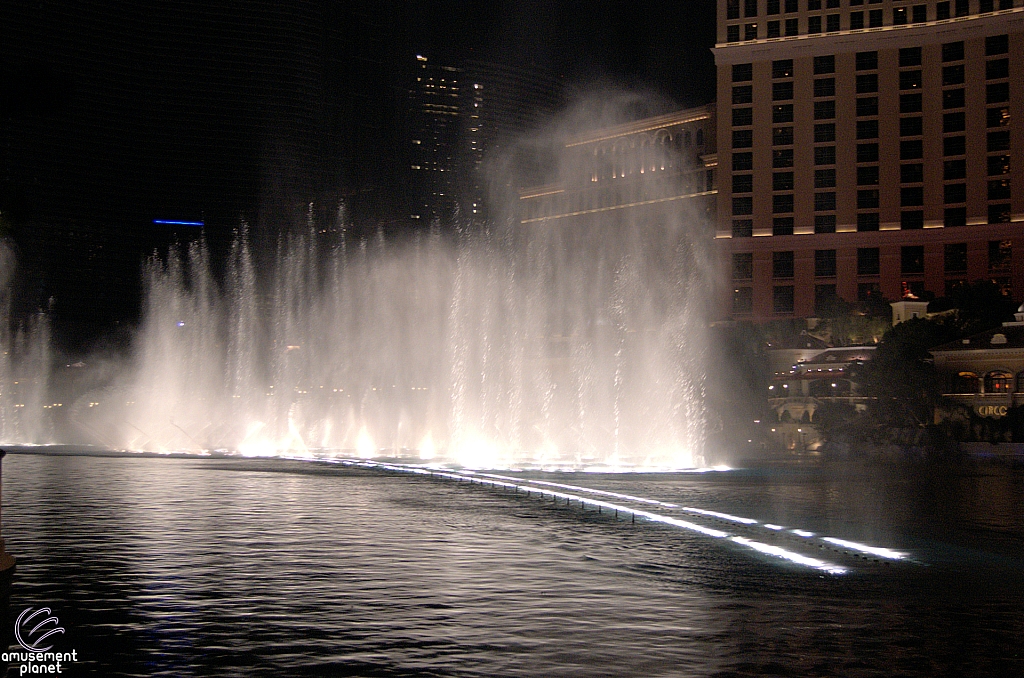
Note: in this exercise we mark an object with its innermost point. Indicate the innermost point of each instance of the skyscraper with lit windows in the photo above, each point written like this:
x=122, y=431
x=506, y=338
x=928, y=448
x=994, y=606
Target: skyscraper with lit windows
x=866, y=149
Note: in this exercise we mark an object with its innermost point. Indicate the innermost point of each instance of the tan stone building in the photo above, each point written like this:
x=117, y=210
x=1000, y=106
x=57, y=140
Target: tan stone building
x=866, y=148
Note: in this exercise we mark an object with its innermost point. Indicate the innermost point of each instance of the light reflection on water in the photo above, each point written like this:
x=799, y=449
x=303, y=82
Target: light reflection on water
x=184, y=567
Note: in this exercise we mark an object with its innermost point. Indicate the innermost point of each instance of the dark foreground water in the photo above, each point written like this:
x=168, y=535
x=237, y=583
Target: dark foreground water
x=231, y=567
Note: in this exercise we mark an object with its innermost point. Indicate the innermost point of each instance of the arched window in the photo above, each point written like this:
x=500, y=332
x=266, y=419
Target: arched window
x=998, y=381
x=965, y=382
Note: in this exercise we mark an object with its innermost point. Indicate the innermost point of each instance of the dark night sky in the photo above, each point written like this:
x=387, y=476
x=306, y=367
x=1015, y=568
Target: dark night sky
x=113, y=113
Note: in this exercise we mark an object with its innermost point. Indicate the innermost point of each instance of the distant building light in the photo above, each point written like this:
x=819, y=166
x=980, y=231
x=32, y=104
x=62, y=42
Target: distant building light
x=420, y=58
x=178, y=223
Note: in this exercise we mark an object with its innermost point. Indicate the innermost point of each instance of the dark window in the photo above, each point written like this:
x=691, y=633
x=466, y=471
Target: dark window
x=953, y=98
x=868, y=291
x=910, y=127
x=997, y=68
x=742, y=228
x=997, y=92
x=824, y=178
x=792, y=26
x=954, y=169
x=832, y=23
x=998, y=164
x=782, y=203
x=867, y=152
x=867, y=129
x=742, y=138
x=743, y=183
x=742, y=117
x=742, y=266
x=750, y=31
x=856, y=20
x=782, y=113
x=867, y=106
x=824, y=87
x=742, y=161
x=824, y=223
x=782, y=226
x=824, y=110
x=813, y=5
x=732, y=9
x=782, y=136
x=998, y=214
x=942, y=11
x=912, y=260
x=867, y=221
x=912, y=220
x=954, y=122
x=867, y=261
x=911, y=79
x=774, y=7
x=997, y=44
x=814, y=24
x=732, y=33
x=782, y=264
x=910, y=103
x=953, y=51
x=742, y=300
x=911, y=196
x=874, y=18
x=955, y=259
x=954, y=146
x=867, y=199
x=999, y=255
x=824, y=202
x=954, y=216
x=782, y=299
x=824, y=263
x=749, y=8
x=792, y=6
x=782, y=181
x=912, y=174
x=782, y=90
x=824, y=132
x=744, y=94
x=743, y=206
x=774, y=29
x=953, y=75
x=867, y=83
x=998, y=117
x=899, y=16
x=999, y=141
x=920, y=14
x=782, y=68
x=999, y=189
x=831, y=4
x=782, y=158
x=867, y=176
x=825, y=299
x=824, y=64
x=911, y=150
x=910, y=56
x=825, y=155
x=986, y=6
x=742, y=72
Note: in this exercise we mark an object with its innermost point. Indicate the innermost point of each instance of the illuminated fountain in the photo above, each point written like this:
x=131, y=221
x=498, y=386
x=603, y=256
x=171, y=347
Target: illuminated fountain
x=24, y=368
x=569, y=345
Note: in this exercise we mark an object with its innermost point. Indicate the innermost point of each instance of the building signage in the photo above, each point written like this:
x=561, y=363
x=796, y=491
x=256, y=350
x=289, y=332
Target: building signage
x=995, y=411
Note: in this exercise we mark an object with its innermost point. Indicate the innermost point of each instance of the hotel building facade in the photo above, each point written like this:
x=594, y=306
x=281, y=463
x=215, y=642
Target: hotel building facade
x=868, y=148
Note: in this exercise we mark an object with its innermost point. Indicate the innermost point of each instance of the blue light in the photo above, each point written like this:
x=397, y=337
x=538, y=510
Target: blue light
x=179, y=223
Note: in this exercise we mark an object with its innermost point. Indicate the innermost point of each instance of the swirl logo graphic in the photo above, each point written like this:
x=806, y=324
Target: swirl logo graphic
x=32, y=638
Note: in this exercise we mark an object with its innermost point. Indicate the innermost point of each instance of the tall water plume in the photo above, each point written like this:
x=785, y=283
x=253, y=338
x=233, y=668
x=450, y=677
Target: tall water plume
x=571, y=343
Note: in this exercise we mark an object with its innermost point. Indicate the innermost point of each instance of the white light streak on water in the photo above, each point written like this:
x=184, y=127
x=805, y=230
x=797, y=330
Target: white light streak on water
x=723, y=516
x=578, y=488
x=790, y=556
x=864, y=548
x=774, y=527
x=802, y=533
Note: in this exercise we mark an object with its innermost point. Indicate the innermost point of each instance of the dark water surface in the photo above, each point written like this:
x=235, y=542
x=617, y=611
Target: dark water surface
x=233, y=567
